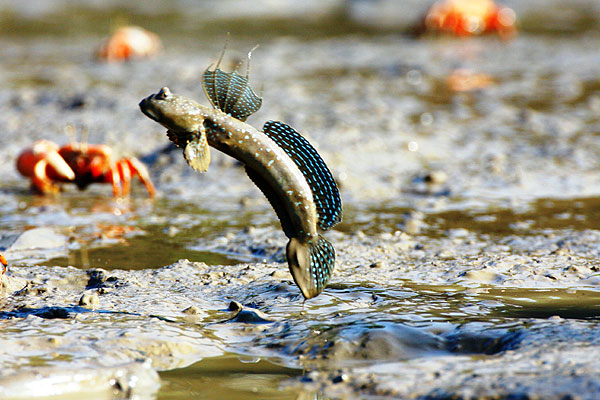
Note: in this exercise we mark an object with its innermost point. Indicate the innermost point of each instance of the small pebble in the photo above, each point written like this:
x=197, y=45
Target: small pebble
x=192, y=310
x=89, y=300
x=251, y=316
x=172, y=231
x=280, y=274
x=378, y=264
x=436, y=177
x=39, y=238
x=446, y=254
x=53, y=340
x=234, y=306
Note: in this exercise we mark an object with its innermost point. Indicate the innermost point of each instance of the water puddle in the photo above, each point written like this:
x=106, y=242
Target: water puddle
x=133, y=234
x=500, y=305
x=546, y=303
x=230, y=377
x=152, y=249
x=542, y=214
x=350, y=329
x=106, y=234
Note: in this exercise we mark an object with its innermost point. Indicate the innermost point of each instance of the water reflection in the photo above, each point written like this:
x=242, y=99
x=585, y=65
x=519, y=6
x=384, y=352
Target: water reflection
x=153, y=249
x=230, y=377
x=541, y=214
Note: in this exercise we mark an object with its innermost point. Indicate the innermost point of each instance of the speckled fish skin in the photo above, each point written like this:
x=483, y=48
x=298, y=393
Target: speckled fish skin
x=243, y=142
x=283, y=177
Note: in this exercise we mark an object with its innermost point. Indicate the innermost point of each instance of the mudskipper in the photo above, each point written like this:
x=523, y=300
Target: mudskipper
x=282, y=163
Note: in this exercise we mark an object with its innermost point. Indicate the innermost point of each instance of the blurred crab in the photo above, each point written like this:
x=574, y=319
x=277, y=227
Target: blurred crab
x=470, y=17
x=4, y=264
x=80, y=163
x=129, y=42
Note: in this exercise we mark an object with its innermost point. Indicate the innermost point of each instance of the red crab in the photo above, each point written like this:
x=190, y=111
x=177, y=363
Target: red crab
x=80, y=163
x=470, y=17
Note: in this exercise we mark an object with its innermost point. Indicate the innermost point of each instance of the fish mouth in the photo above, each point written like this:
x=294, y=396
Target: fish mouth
x=145, y=107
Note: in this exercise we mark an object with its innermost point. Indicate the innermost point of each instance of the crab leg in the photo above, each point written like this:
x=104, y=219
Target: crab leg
x=125, y=174
x=116, y=181
x=139, y=169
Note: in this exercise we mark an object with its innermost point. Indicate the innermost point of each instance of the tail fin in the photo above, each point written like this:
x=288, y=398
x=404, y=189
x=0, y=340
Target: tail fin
x=311, y=264
x=230, y=92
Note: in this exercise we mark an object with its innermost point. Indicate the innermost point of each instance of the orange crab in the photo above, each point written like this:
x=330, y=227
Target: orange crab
x=80, y=163
x=4, y=264
x=470, y=17
x=129, y=42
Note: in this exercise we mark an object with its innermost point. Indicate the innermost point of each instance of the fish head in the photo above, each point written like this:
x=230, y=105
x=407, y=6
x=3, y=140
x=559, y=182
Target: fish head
x=176, y=113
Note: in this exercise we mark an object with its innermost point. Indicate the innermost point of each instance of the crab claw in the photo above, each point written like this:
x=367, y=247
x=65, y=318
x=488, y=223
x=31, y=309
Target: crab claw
x=43, y=159
x=47, y=150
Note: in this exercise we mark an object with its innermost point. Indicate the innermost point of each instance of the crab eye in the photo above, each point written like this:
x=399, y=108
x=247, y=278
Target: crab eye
x=163, y=93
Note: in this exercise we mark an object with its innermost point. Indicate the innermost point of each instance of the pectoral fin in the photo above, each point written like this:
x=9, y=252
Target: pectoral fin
x=197, y=153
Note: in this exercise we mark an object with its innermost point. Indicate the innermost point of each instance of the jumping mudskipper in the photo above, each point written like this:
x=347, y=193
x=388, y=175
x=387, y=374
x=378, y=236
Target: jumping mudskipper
x=282, y=163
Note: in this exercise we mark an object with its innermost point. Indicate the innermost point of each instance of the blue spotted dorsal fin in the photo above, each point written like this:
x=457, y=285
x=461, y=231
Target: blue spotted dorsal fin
x=319, y=178
x=231, y=93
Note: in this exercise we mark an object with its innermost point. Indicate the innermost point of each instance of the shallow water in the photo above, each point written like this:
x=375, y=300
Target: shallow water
x=163, y=232
x=352, y=326
x=467, y=258
x=229, y=377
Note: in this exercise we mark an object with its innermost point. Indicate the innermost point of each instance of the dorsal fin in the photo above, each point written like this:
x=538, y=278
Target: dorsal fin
x=215, y=85
x=312, y=166
x=230, y=92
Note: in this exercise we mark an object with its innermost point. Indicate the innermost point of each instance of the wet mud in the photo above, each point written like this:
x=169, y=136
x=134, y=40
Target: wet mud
x=467, y=259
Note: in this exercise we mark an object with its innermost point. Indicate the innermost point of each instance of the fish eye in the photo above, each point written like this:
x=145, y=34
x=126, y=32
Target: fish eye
x=163, y=93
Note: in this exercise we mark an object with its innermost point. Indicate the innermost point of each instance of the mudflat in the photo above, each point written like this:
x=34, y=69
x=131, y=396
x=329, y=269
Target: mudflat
x=466, y=261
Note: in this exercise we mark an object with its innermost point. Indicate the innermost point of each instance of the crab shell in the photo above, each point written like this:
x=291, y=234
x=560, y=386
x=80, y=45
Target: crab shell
x=129, y=42
x=46, y=163
x=470, y=17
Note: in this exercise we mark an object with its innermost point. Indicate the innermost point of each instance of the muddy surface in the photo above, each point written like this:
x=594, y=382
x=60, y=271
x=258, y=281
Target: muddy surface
x=468, y=256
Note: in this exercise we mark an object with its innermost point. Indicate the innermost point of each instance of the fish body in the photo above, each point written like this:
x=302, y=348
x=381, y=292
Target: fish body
x=285, y=167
